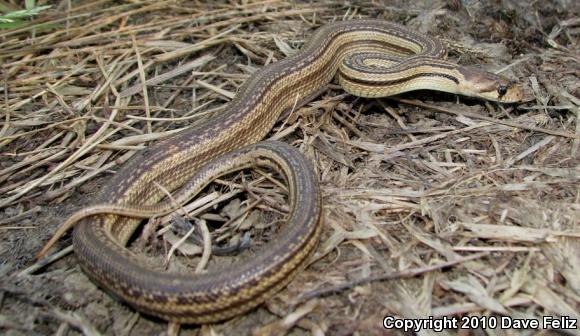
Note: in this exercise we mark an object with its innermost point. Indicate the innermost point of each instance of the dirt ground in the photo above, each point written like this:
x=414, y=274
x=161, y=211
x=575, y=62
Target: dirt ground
x=434, y=204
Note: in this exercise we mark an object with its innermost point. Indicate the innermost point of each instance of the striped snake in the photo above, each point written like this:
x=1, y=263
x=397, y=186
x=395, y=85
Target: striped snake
x=371, y=58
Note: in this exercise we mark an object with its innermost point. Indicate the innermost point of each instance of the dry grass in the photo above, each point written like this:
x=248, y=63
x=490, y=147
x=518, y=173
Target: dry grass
x=433, y=205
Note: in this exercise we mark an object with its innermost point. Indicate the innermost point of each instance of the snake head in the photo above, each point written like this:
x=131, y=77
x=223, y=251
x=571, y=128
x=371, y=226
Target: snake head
x=486, y=85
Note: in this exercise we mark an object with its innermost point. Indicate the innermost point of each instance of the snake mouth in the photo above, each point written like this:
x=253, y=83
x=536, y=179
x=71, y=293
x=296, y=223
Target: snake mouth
x=526, y=94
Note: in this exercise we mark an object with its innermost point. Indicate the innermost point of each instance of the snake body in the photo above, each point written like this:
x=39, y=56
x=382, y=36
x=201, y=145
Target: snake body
x=371, y=57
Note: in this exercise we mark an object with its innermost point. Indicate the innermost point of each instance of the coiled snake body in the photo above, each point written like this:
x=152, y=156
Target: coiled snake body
x=372, y=59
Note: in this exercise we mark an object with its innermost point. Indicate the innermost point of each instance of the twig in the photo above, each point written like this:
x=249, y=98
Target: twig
x=391, y=276
x=90, y=144
x=206, y=254
x=143, y=83
x=482, y=117
x=21, y=215
x=76, y=320
x=45, y=261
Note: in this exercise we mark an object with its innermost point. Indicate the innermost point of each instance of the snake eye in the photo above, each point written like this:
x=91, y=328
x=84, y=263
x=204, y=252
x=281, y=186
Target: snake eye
x=502, y=89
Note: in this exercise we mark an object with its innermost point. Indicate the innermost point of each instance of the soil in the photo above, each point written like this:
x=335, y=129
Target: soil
x=434, y=204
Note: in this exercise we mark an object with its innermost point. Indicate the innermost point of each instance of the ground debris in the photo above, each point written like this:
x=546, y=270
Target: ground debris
x=434, y=205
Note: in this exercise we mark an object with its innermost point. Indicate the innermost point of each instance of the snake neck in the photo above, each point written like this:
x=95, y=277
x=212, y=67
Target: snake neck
x=376, y=74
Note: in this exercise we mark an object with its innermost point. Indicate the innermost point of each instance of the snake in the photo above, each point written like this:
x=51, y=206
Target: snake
x=369, y=58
